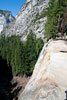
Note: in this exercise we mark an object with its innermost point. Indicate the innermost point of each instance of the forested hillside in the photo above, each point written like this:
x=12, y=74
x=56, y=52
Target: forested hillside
x=22, y=56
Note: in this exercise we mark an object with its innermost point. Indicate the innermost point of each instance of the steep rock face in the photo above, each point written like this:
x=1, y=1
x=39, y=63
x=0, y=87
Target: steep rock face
x=5, y=18
x=49, y=79
x=30, y=17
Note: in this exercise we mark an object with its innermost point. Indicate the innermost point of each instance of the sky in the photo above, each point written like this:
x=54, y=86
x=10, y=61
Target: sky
x=11, y=5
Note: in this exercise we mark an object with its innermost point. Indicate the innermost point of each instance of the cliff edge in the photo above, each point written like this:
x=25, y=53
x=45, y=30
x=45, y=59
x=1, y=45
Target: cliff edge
x=49, y=79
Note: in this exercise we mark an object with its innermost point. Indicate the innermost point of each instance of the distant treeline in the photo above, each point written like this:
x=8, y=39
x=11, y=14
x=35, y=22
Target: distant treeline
x=22, y=56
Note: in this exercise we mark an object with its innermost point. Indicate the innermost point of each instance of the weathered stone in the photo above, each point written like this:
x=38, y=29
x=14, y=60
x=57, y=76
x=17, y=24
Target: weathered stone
x=49, y=79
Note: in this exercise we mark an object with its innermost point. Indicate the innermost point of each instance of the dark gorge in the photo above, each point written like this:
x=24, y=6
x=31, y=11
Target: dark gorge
x=10, y=85
x=5, y=78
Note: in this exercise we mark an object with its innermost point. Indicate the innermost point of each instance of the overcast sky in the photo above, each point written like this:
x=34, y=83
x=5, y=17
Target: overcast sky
x=11, y=5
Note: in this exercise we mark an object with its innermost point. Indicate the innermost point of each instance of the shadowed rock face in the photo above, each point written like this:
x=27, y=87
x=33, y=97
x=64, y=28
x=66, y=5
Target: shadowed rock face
x=49, y=79
x=5, y=78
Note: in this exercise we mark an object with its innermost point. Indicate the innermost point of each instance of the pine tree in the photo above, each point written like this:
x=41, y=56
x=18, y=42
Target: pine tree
x=22, y=56
x=55, y=15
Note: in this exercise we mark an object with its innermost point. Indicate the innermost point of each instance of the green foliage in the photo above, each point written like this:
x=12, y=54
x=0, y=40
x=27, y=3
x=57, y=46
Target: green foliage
x=22, y=56
x=55, y=15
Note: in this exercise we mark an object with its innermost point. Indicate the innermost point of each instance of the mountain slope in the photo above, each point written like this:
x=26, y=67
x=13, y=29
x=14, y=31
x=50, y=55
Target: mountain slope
x=5, y=18
x=30, y=17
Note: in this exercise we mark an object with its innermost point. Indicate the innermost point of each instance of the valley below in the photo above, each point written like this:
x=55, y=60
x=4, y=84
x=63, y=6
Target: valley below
x=10, y=87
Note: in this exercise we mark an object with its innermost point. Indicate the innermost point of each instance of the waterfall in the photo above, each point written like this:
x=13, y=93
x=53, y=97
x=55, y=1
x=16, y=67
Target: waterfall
x=41, y=54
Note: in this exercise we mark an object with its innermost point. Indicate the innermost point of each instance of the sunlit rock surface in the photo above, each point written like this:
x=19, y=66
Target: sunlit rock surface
x=49, y=79
x=30, y=17
x=5, y=18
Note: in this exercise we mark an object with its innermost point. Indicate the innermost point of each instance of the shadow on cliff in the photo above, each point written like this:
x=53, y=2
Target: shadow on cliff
x=5, y=78
x=9, y=87
x=16, y=92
